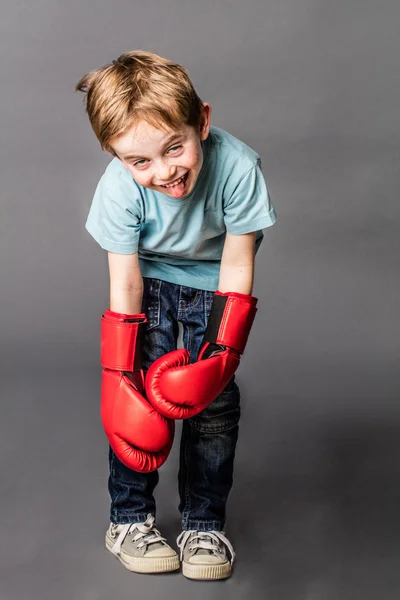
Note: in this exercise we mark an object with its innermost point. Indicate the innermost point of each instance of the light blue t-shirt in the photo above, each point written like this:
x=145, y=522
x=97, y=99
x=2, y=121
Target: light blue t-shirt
x=180, y=240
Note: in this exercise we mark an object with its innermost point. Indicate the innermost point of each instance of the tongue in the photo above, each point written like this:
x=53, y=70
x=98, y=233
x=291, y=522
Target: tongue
x=177, y=190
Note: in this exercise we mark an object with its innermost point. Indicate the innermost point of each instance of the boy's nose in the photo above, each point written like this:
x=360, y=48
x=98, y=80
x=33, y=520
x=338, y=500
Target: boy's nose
x=165, y=173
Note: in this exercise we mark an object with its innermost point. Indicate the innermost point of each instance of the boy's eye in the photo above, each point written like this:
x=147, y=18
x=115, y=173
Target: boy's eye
x=139, y=163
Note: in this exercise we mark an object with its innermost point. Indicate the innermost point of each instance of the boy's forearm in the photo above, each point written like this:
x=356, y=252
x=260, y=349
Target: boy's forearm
x=126, y=283
x=236, y=279
x=126, y=300
x=237, y=264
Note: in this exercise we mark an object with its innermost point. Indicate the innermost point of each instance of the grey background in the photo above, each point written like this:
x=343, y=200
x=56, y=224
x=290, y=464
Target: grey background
x=313, y=86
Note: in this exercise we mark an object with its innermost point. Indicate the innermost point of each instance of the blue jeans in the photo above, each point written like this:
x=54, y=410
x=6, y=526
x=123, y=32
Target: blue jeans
x=208, y=440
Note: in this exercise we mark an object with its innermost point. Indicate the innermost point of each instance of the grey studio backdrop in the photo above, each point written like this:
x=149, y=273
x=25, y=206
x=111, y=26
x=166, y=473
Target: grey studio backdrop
x=314, y=87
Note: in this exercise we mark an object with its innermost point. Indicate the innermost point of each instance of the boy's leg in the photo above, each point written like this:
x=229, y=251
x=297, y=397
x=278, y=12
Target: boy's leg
x=132, y=492
x=207, y=453
x=209, y=439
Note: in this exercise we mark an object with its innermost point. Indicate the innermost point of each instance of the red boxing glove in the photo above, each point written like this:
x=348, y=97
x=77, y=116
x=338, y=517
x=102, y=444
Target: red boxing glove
x=180, y=390
x=140, y=437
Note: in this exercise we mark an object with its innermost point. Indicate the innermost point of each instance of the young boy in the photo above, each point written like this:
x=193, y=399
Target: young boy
x=180, y=210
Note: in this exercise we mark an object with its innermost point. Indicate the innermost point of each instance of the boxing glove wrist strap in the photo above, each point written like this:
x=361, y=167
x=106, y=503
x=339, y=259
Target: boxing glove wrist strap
x=231, y=319
x=122, y=341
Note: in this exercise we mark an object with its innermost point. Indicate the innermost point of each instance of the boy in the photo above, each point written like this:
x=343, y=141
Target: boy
x=180, y=210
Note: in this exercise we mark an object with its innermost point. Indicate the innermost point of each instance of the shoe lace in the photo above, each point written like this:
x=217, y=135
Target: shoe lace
x=143, y=533
x=205, y=540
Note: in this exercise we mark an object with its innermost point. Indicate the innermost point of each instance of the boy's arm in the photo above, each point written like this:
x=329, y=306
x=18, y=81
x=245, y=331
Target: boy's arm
x=237, y=264
x=140, y=437
x=126, y=283
x=180, y=389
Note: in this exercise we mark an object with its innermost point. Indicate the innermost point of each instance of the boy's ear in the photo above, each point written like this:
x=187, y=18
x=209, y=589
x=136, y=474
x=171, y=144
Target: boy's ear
x=205, y=121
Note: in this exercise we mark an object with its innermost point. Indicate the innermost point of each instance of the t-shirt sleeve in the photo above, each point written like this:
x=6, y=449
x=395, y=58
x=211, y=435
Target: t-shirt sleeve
x=249, y=206
x=114, y=220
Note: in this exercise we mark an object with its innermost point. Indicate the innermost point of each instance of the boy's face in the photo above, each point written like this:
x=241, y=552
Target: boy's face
x=166, y=161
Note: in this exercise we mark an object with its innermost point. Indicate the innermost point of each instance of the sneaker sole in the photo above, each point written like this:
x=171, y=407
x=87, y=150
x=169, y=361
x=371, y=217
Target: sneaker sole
x=207, y=572
x=147, y=565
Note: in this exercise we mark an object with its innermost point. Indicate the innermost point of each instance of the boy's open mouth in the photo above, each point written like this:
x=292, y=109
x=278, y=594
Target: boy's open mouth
x=183, y=178
x=177, y=188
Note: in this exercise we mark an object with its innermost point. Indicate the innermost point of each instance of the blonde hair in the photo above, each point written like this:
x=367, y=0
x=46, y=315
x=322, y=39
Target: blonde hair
x=139, y=85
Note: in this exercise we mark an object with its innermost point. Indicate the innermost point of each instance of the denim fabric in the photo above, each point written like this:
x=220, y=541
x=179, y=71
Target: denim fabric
x=208, y=440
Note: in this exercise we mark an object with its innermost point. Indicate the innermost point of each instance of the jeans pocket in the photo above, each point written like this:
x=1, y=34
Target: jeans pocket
x=151, y=303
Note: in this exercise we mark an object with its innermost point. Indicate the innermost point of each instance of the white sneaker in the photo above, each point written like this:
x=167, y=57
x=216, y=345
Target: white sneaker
x=205, y=554
x=141, y=548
